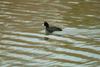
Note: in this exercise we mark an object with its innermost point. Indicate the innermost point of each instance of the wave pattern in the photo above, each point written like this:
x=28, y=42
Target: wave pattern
x=32, y=48
x=23, y=44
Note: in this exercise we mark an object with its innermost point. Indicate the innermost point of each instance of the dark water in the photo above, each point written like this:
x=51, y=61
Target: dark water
x=22, y=39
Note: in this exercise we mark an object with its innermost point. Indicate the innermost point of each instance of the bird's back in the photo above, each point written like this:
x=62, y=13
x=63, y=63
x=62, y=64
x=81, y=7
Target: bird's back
x=52, y=29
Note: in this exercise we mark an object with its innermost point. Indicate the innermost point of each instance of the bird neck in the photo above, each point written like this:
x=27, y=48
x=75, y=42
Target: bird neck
x=47, y=26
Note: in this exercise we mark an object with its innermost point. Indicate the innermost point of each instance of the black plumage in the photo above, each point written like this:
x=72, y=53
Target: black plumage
x=51, y=29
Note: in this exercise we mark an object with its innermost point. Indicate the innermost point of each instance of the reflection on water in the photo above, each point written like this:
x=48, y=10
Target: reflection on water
x=22, y=42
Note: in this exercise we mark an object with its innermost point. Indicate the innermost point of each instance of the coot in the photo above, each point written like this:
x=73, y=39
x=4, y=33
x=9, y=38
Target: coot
x=50, y=29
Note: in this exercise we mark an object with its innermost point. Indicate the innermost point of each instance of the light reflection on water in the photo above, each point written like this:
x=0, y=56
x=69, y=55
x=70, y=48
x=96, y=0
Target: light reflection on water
x=22, y=38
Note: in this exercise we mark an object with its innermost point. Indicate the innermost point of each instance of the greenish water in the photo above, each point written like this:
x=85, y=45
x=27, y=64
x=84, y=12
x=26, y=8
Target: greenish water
x=22, y=36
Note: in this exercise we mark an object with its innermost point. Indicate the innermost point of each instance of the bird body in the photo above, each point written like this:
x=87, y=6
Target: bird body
x=50, y=29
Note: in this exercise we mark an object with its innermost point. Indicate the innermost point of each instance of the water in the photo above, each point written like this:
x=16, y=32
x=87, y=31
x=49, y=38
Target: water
x=23, y=41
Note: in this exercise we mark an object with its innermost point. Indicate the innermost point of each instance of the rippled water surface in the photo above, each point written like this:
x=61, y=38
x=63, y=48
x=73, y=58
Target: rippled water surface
x=23, y=42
